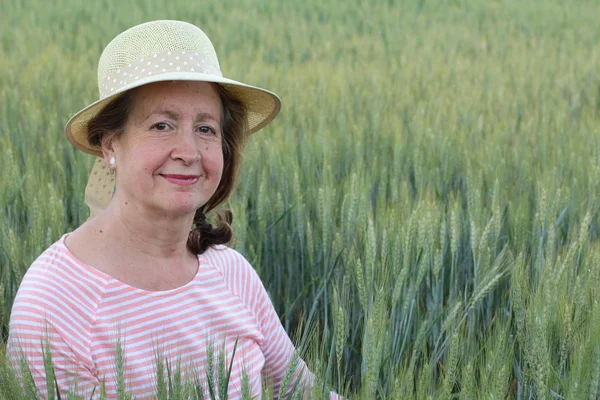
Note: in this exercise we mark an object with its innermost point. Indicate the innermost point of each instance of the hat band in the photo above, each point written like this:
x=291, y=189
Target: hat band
x=183, y=61
x=100, y=187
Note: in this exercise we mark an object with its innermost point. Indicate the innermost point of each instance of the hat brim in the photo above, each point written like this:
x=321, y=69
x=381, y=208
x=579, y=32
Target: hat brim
x=262, y=105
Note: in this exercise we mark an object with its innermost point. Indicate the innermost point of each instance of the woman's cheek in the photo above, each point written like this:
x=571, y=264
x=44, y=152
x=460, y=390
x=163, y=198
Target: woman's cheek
x=216, y=170
x=212, y=153
x=150, y=158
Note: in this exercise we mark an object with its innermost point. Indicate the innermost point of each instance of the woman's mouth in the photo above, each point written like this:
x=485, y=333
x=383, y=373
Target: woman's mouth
x=179, y=179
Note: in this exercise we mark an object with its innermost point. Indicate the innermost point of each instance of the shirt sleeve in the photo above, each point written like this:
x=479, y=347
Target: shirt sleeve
x=277, y=348
x=44, y=322
x=31, y=344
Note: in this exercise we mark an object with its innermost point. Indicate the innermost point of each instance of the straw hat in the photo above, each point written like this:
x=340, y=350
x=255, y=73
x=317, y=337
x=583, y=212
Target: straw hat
x=153, y=52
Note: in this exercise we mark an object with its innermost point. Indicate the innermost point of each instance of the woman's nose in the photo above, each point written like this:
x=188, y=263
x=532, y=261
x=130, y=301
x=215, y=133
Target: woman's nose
x=185, y=147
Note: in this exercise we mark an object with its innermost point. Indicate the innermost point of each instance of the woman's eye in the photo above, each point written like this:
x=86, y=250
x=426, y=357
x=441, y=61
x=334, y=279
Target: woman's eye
x=206, y=129
x=161, y=126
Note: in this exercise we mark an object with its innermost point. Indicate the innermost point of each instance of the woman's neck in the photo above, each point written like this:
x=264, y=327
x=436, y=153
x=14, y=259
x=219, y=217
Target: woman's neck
x=140, y=232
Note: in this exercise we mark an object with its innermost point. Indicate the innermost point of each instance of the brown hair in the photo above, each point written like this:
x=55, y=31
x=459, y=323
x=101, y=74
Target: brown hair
x=112, y=120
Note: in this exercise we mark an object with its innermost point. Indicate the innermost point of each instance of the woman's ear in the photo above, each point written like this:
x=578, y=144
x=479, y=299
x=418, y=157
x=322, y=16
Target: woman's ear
x=108, y=151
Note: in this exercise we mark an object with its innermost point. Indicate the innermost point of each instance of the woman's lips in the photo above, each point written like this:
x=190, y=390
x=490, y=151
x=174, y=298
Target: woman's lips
x=183, y=180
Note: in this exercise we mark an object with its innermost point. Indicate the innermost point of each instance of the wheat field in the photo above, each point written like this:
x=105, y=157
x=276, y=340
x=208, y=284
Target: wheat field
x=423, y=212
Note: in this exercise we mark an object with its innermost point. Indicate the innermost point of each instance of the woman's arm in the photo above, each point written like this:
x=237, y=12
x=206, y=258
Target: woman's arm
x=51, y=317
x=277, y=348
x=31, y=341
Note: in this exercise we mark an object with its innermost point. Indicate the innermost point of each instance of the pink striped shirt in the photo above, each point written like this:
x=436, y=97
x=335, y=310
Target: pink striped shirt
x=82, y=312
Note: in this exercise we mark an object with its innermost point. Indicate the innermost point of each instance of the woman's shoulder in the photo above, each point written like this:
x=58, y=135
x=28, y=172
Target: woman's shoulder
x=237, y=272
x=52, y=262
x=61, y=267
x=56, y=281
x=226, y=259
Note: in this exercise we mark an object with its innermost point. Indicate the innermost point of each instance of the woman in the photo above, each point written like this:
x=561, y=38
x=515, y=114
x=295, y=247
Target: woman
x=169, y=130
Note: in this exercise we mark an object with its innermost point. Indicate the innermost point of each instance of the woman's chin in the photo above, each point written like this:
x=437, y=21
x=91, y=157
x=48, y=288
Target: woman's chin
x=180, y=207
x=182, y=210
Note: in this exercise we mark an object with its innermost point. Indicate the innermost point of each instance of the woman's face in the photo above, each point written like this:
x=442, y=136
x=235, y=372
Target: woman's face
x=169, y=159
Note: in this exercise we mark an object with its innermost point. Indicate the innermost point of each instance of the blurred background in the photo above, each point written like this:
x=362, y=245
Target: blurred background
x=423, y=212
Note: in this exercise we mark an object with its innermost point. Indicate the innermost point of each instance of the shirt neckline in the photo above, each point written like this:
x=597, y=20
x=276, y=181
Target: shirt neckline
x=109, y=278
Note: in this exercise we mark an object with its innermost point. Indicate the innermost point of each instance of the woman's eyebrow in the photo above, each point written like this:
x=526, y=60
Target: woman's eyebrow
x=167, y=113
x=203, y=116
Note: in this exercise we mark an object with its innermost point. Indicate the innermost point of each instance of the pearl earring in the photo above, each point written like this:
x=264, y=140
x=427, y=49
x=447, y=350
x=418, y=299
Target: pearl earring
x=112, y=161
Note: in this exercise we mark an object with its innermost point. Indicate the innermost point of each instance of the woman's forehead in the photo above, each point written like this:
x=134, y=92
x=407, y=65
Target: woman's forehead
x=177, y=97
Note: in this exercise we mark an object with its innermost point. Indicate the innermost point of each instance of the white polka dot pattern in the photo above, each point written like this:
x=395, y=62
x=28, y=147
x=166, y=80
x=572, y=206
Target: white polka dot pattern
x=100, y=187
x=159, y=63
